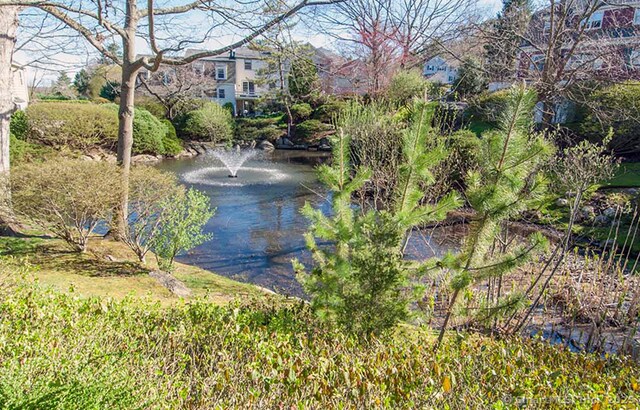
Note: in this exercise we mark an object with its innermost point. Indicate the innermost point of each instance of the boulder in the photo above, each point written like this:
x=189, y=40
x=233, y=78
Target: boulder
x=144, y=159
x=601, y=220
x=170, y=282
x=265, y=146
x=609, y=212
x=562, y=202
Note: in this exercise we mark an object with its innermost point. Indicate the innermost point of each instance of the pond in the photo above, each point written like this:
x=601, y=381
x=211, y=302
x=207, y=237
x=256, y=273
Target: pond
x=258, y=228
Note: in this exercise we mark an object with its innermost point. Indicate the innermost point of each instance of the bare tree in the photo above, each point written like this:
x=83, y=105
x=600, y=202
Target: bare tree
x=572, y=44
x=172, y=85
x=166, y=33
x=388, y=34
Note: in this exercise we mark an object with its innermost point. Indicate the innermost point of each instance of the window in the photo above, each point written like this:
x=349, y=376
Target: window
x=248, y=87
x=595, y=20
x=221, y=94
x=248, y=65
x=221, y=73
x=636, y=17
x=537, y=63
x=634, y=58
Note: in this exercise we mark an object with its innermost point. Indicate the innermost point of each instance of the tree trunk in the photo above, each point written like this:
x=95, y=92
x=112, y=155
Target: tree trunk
x=8, y=29
x=125, y=114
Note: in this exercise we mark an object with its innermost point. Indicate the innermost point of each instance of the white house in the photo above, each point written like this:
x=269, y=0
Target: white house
x=19, y=90
x=437, y=69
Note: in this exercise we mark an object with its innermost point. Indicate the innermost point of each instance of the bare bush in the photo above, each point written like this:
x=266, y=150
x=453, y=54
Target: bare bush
x=68, y=198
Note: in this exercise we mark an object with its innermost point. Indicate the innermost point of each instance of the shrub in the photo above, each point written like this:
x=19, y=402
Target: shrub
x=211, y=122
x=68, y=198
x=405, y=86
x=229, y=107
x=171, y=144
x=19, y=125
x=183, y=217
x=148, y=133
x=488, y=107
x=614, y=107
x=110, y=90
x=310, y=128
x=151, y=105
x=328, y=112
x=301, y=112
x=80, y=126
x=258, y=128
x=149, y=191
x=21, y=151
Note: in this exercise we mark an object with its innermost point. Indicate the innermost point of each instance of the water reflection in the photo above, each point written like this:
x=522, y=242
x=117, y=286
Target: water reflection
x=258, y=228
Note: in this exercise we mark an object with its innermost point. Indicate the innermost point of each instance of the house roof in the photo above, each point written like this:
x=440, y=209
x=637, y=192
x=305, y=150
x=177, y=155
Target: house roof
x=241, y=52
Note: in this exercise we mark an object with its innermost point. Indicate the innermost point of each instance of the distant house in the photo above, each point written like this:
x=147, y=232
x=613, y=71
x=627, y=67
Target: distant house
x=339, y=75
x=230, y=78
x=20, y=91
x=437, y=69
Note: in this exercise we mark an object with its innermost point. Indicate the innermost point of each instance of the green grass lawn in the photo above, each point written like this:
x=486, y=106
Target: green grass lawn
x=110, y=269
x=628, y=176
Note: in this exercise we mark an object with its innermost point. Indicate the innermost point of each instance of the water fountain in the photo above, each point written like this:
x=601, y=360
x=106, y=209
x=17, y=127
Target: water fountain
x=234, y=162
x=234, y=159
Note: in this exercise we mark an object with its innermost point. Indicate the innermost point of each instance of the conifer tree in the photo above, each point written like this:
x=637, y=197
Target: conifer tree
x=508, y=182
x=361, y=280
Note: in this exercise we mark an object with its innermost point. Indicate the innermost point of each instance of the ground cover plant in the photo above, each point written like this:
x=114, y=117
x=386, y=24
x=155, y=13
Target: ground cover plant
x=134, y=354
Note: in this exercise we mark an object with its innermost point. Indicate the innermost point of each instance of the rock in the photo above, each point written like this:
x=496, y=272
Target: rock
x=266, y=146
x=609, y=212
x=170, y=282
x=111, y=258
x=143, y=159
x=562, y=202
x=110, y=158
x=86, y=158
x=588, y=212
x=601, y=220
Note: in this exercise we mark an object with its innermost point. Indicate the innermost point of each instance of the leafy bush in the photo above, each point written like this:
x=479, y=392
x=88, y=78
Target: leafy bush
x=171, y=144
x=148, y=133
x=301, y=112
x=19, y=125
x=489, y=106
x=615, y=107
x=211, y=122
x=183, y=217
x=68, y=198
x=310, y=128
x=151, y=105
x=80, y=126
x=328, y=112
x=229, y=107
x=149, y=191
x=250, y=129
x=405, y=86
x=23, y=151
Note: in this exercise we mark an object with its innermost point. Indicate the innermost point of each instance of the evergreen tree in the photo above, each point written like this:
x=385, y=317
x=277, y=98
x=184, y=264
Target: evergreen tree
x=362, y=281
x=508, y=182
x=471, y=79
x=62, y=87
x=502, y=50
x=81, y=82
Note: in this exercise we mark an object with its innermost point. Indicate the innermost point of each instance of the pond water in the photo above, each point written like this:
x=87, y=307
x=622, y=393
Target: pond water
x=258, y=228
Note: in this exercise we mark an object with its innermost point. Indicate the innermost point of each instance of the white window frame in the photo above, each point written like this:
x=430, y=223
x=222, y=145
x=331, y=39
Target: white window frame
x=248, y=89
x=221, y=93
x=224, y=70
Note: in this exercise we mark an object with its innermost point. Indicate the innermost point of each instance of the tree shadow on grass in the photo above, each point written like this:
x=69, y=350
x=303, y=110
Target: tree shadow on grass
x=49, y=255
